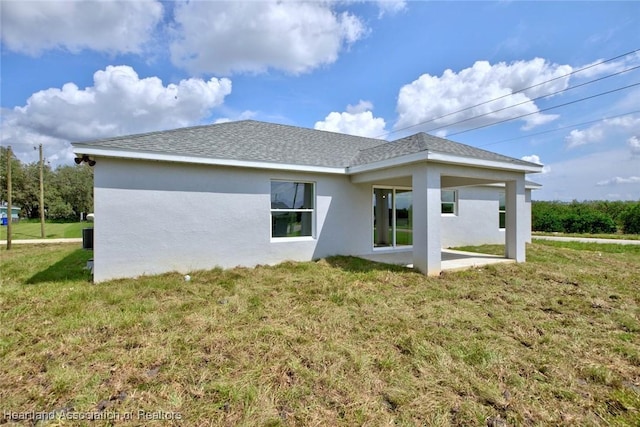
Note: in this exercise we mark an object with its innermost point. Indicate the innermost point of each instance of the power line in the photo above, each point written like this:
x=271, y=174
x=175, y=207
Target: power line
x=511, y=93
x=533, y=99
x=560, y=128
x=546, y=109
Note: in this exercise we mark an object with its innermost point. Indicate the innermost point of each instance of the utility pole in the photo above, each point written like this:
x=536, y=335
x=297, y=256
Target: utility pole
x=41, y=194
x=9, y=207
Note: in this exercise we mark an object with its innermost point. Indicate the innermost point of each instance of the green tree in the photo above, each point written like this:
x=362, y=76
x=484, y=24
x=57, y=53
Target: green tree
x=60, y=211
x=547, y=216
x=74, y=186
x=68, y=190
x=17, y=177
x=574, y=217
x=631, y=219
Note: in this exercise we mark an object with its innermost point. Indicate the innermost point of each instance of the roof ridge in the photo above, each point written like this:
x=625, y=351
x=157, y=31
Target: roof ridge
x=150, y=133
x=461, y=144
x=233, y=122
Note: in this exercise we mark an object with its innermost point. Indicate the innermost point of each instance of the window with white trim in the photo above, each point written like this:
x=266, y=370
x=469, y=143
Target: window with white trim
x=502, y=210
x=449, y=201
x=292, y=209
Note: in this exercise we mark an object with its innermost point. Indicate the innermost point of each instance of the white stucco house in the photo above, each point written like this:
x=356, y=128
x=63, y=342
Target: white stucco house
x=247, y=193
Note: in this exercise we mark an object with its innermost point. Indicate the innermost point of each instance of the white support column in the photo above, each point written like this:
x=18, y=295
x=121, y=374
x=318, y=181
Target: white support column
x=427, y=250
x=516, y=220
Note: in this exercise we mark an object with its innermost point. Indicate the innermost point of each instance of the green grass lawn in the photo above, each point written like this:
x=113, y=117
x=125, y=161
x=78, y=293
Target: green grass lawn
x=618, y=236
x=28, y=229
x=338, y=342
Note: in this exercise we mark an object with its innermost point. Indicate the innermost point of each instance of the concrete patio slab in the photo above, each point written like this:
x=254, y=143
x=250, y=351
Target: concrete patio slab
x=460, y=260
x=452, y=260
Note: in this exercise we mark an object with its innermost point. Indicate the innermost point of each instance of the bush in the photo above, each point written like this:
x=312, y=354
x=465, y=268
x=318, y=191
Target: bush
x=547, y=216
x=574, y=217
x=588, y=222
x=547, y=221
x=601, y=223
x=61, y=211
x=631, y=219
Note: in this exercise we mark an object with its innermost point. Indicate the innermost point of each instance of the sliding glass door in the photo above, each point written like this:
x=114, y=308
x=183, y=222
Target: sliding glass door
x=392, y=217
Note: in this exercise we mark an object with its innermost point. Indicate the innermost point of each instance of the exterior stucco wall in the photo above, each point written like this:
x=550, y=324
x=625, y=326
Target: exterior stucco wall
x=155, y=217
x=477, y=219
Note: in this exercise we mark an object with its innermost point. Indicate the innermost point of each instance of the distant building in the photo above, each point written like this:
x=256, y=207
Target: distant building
x=15, y=213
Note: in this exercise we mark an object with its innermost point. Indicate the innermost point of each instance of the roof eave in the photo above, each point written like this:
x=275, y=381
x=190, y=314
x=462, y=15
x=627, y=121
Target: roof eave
x=443, y=158
x=528, y=185
x=389, y=163
x=483, y=163
x=92, y=150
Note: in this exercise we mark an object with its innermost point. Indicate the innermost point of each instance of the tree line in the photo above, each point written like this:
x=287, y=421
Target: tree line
x=68, y=190
x=586, y=217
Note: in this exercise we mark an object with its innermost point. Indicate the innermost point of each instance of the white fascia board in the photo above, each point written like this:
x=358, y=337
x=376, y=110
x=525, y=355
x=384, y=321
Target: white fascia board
x=502, y=185
x=482, y=163
x=137, y=155
x=389, y=163
x=443, y=158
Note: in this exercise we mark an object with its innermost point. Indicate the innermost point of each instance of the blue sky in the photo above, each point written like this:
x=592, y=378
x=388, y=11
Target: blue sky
x=80, y=70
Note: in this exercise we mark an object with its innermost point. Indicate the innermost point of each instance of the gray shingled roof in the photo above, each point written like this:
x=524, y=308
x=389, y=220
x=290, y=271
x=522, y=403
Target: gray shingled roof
x=425, y=142
x=251, y=140
x=247, y=140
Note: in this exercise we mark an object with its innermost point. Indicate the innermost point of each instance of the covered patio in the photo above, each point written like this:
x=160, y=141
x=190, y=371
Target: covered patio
x=426, y=173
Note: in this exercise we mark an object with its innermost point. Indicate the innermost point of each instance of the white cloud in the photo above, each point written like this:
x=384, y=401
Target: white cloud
x=245, y=115
x=32, y=27
x=430, y=97
x=583, y=177
x=609, y=129
x=360, y=107
x=534, y=158
x=599, y=68
x=619, y=180
x=118, y=103
x=577, y=137
x=226, y=37
x=634, y=145
x=357, y=120
x=391, y=7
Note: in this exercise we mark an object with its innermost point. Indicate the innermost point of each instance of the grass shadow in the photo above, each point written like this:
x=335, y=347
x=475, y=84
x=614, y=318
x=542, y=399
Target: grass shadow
x=69, y=268
x=360, y=265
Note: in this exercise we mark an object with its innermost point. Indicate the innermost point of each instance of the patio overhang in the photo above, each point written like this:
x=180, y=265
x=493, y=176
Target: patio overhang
x=427, y=179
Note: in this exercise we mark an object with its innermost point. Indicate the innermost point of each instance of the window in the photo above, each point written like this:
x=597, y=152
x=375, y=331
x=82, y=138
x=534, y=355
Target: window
x=292, y=209
x=502, y=210
x=449, y=200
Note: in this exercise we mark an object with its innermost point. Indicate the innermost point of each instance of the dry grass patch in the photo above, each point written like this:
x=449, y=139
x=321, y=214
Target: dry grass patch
x=340, y=341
